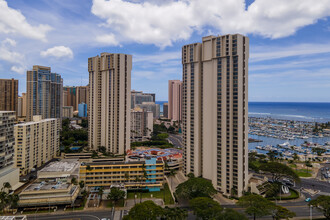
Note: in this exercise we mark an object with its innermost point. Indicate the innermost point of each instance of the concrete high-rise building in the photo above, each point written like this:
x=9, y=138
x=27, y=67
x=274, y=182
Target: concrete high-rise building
x=21, y=111
x=82, y=94
x=175, y=100
x=138, y=97
x=44, y=93
x=37, y=142
x=82, y=110
x=152, y=107
x=7, y=141
x=141, y=124
x=165, y=110
x=67, y=112
x=70, y=97
x=8, y=95
x=215, y=111
x=109, y=102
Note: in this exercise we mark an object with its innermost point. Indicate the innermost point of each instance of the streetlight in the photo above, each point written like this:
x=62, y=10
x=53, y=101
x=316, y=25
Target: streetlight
x=311, y=212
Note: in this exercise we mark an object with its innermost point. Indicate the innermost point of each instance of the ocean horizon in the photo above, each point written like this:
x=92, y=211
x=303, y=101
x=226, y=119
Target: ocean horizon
x=298, y=111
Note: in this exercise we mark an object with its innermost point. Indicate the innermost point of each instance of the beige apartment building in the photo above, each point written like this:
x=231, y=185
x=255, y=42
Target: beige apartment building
x=109, y=106
x=175, y=100
x=37, y=142
x=67, y=112
x=8, y=94
x=44, y=93
x=21, y=109
x=8, y=173
x=215, y=111
x=82, y=95
x=141, y=124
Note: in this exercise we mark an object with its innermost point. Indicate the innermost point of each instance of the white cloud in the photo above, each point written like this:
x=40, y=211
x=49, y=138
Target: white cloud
x=13, y=21
x=58, y=52
x=7, y=54
x=108, y=39
x=153, y=22
x=270, y=53
x=18, y=69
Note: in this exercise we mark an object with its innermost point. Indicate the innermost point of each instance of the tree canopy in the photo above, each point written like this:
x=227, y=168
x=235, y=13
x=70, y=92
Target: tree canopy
x=279, y=171
x=205, y=208
x=255, y=205
x=147, y=210
x=116, y=194
x=195, y=187
x=279, y=212
x=323, y=204
x=174, y=213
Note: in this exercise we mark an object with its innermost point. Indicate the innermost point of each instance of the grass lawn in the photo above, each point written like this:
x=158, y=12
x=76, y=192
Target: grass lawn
x=304, y=173
x=160, y=194
x=294, y=195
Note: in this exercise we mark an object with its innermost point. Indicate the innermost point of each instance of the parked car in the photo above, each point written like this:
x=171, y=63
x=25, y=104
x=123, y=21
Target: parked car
x=308, y=200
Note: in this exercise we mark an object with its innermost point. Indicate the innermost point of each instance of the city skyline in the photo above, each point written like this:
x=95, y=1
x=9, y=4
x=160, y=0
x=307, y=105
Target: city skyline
x=287, y=63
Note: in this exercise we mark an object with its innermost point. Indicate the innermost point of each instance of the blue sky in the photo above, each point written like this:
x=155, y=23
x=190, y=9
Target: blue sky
x=289, y=40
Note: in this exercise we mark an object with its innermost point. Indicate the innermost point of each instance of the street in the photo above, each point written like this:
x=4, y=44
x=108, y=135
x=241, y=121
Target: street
x=176, y=140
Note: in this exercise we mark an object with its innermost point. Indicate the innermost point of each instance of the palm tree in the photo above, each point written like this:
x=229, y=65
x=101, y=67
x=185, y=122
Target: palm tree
x=6, y=185
x=81, y=184
x=137, y=179
x=74, y=181
x=127, y=176
x=172, y=174
x=100, y=192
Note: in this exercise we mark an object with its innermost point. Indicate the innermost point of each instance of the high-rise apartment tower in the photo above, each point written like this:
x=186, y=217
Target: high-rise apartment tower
x=9, y=95
x=175, y=100
x=215, y=111
x=44, y=93
x=109, y=106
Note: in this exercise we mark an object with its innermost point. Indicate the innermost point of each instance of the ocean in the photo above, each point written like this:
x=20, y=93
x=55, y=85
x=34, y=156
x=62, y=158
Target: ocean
x=298, y=111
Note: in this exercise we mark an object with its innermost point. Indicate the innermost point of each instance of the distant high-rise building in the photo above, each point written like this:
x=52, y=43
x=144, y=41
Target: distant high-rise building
x=82, y=94
x=175, y=100
x=37, y=142
x=70, y=96
x=82, y=110
x=8, y=95
x=7, y=141
x=141, y=124
x=215, y=111
x=44, y=93
x=109, y=102
x=137, y=97
x=21, y=111
x=67, y=112
x=152, y=107
x=165, y=110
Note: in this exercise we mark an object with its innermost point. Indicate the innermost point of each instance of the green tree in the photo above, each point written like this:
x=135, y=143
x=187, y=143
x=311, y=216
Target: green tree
x=255, y=205
x=195, y=187
x=205, y=208
x=174, y=213
x=323, y=204
x=81, y=184
x=279, y=212
x=319, y=150
x=74, y=181
x=116, y=194
x=279, y=171
x=272, y=155
x=231, y=214
x=147, y=210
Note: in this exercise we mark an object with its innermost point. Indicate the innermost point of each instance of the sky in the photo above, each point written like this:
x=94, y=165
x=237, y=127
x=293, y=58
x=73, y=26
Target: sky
x=289, y=40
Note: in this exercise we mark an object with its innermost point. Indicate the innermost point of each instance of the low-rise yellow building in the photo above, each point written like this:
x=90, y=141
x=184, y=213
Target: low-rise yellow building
x=148, y=174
